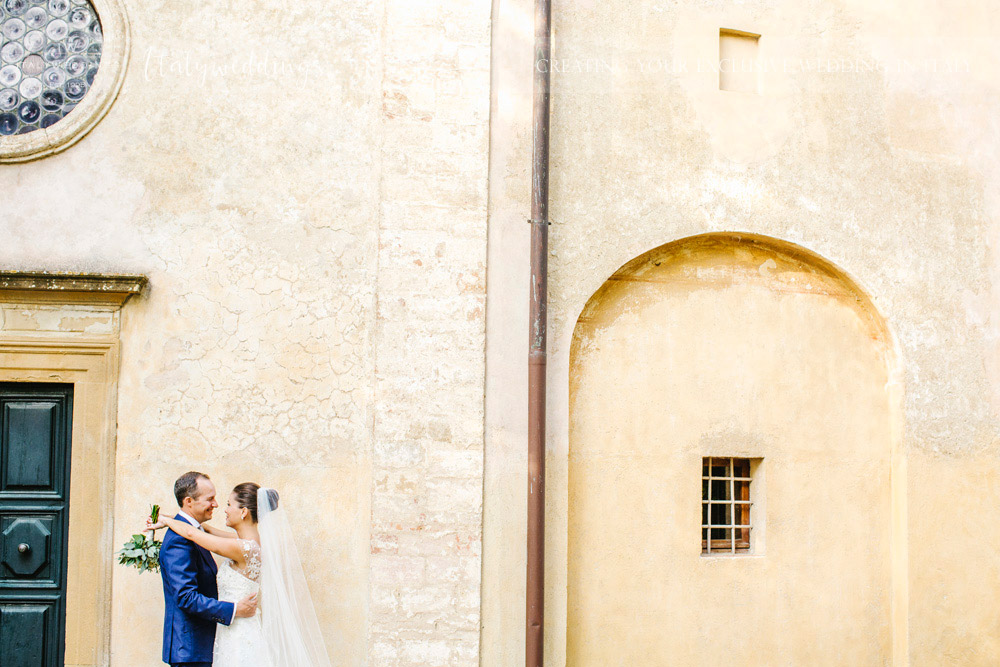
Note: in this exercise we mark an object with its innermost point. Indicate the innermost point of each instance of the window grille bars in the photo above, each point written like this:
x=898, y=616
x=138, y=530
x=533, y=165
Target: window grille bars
x=726, y=505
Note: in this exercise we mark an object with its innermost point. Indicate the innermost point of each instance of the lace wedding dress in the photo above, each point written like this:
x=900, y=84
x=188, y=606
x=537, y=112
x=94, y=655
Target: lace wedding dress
x=241, y=644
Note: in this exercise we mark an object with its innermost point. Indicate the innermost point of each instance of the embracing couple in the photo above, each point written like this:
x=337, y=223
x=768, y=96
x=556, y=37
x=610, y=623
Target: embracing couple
x=253, y=610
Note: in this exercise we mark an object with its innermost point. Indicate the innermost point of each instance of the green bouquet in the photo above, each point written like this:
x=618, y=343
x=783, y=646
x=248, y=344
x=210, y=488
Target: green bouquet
x=142, y=552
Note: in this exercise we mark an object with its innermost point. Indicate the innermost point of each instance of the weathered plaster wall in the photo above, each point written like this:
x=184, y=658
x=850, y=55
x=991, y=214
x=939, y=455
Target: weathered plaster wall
x=428, y=438
x=889, y=172
x=304, y=185
x=743, y=350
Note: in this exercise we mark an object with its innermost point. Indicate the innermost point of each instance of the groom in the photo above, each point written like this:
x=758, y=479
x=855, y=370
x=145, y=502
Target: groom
x=189, y=590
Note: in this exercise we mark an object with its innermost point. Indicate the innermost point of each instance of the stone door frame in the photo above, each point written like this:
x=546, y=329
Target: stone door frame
x=63, y=328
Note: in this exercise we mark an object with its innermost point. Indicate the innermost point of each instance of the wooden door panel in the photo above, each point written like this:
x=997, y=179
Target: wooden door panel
x=24, y=633
x=29, y=549
x=29, y=430
x=35, y=428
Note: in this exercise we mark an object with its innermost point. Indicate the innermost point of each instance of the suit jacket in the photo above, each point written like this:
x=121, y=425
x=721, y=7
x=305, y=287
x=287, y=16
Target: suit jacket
x=192, y=608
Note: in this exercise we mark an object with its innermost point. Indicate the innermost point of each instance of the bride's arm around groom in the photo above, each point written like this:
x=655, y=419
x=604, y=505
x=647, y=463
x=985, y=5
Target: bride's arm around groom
x=191, y=605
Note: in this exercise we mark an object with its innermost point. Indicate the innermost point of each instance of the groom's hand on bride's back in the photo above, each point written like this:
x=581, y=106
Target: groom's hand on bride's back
x=247, y=606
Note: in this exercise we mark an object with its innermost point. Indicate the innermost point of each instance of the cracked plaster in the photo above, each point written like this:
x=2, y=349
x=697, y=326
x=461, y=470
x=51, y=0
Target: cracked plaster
x=285, y=176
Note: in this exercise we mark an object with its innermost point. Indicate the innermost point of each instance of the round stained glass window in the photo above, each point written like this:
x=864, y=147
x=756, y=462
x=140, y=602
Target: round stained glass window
x=49, y=54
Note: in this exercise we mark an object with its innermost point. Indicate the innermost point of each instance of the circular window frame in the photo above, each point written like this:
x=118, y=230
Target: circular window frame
x=94, y=105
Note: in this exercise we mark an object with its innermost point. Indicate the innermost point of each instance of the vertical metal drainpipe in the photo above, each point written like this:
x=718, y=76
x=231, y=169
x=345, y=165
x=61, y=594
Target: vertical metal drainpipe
x=537, y=335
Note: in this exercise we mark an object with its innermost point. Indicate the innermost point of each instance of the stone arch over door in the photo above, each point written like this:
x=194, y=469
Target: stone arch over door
x=746, y=346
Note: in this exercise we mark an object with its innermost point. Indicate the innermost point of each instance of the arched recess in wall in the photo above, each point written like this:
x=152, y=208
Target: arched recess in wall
x=734, y=345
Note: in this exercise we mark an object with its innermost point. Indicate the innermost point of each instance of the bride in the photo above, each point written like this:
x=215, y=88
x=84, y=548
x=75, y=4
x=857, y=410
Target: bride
x=260, y=557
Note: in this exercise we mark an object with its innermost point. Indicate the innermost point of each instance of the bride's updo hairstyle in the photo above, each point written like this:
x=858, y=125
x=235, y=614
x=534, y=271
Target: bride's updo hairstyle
x=246, y=497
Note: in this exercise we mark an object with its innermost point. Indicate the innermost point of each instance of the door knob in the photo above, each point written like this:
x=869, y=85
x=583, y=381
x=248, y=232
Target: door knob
x=23, y=548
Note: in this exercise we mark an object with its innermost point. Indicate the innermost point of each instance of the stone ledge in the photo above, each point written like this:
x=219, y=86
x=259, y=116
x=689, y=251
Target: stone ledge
x=111, y=289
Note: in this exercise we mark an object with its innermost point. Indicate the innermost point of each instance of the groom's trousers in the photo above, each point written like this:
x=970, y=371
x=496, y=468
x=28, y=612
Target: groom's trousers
x=190, y=664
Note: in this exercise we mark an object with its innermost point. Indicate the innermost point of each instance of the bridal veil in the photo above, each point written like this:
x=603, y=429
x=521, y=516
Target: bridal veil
x=291, y=629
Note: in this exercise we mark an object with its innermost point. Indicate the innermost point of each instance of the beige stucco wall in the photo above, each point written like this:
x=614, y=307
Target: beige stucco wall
x=720, y=347
x=304, y=186
x=889, y=172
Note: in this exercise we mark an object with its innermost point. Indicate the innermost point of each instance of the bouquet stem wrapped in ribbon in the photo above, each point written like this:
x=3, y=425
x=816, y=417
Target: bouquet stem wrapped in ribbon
x=142, y=552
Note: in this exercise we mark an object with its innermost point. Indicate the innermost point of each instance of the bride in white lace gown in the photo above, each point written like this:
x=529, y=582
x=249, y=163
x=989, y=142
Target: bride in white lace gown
x=241, y=644
x=284, y=632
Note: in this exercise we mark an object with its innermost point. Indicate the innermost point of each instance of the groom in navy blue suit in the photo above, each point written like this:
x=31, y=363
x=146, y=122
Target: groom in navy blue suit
x=192, y=607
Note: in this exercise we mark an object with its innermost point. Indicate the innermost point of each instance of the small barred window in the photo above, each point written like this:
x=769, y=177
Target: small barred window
x=725, y=506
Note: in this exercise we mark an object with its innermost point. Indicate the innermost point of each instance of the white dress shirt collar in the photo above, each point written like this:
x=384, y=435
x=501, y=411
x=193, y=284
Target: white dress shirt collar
x=187, y=518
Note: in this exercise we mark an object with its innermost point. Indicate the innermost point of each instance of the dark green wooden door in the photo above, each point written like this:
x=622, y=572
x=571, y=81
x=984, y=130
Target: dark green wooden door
x=35, y=426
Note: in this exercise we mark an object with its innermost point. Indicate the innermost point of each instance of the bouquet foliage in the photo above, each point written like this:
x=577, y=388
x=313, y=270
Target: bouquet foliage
x=142, y=552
